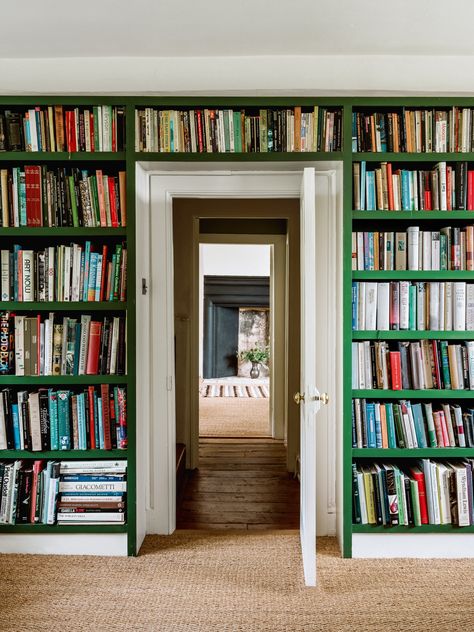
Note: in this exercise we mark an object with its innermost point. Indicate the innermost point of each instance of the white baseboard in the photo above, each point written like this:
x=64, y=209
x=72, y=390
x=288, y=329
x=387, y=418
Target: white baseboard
x=108, y=544
x=429, y=545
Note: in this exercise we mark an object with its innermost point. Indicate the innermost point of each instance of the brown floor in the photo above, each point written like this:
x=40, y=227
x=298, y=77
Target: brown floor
x=240, y=484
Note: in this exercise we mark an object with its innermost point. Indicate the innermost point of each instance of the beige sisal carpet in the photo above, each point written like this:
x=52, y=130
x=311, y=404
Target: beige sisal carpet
x=232, y=582
x=234, y=417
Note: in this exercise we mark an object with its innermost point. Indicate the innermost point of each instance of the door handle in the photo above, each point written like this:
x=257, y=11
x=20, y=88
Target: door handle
x=298, y=398
x=322, y=397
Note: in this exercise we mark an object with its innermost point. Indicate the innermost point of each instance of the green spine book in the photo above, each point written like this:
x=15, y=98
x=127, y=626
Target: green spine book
x=63, y=421
x=400, y=491
x=412, y=308
x=432, y=439
x=225, y=116
x=237, y=133
x=392, y=437
x=399, y=426
x=53, y=419
x=96, y=127
x=415, y=499
x=445, y=363
x=94, y=198
x=263, y=131
x=72, y=191
x=443, y=247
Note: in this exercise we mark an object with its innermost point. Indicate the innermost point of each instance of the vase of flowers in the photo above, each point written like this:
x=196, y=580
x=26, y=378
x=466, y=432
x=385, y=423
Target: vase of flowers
x=257, y=356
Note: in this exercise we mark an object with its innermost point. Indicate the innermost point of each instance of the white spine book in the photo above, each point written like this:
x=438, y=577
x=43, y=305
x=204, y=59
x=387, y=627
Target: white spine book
x=47, y=346
x=230, y=116
x=420, y=365
x=361, y=356
x=358, y=422
x=93, y=467
x=470, y=306
x=413, y=237
x=361, y=307
x=462, y=494
x=420, y=305
x=370, y=306
x=192, y=127
x=12, y=494
x=5, y=263
x=435, y=251
x=28, y=271
x=19, y=345
x=442, y=472
x=459, y=426
x=84, y=343
x=76, y=272
x=460, y=366
x=354, y=251
x=16, y=188
x=51, y=273
x=470, y=362
x=459, y=311
x=35, y=427
x=434, y=306
x=3, y=427
x=114, y=345
x=435, y=494
x=360, y=250
x=106, y=145
x=448, y=309
x=67, y=275
x=442, y=186
x=425, y=248
x=383, y=306
x=441, y=306
x=33, y=130
x=363, y=505
x=87, y=129
x=355, y=365
x=51, y=500
x=20, y=397
x=404, y=304
x=42, y=347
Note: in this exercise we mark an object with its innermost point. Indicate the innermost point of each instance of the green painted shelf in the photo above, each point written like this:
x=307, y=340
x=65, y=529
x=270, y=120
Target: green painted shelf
x=56, y=528
x=66, y=380
x=412, y=335
x=418, y=453
x=72, y=306
x=237, y=157
x=66, y=231
x=415, y=275
x=62, y=156
x=425, y=528
x=413, y=215
x=412, y=157
x=64, y=455
x=406, y=394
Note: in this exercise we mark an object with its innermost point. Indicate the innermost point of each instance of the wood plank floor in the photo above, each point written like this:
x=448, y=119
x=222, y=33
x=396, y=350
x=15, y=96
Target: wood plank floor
x=240, y=484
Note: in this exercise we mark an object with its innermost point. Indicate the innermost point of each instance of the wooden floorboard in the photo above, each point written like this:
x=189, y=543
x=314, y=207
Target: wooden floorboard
x=240, y=484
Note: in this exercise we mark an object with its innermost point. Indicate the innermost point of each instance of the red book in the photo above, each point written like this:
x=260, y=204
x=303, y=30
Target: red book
x=38, y=333
x=470, y=192
x=92, y=123
x=19, y=259
x=113, y=204
x=199, y=125
x=104, y=271
x=114, y=131
x=437, y=368
x=396, y=370
x=428, y=201
x=90, y=392
x=105, y=396
x=38, y=466
x=34, y=215
x=391, y=203
x=444, y=429
x=438, y=429
x=92, y=365
x=419, y=477
x=449, y=188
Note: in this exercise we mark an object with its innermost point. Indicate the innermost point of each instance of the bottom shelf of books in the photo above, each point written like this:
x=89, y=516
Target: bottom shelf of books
x=422, y=494
x=42, y=495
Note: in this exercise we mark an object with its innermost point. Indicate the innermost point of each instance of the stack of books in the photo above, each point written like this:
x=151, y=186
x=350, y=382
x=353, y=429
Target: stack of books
x=92, y=492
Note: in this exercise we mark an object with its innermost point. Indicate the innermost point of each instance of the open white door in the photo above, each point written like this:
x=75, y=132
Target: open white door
x=309, y=398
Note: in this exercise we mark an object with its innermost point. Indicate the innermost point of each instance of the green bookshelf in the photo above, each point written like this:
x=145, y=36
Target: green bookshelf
x=413, y=335
x=424, y=528
x=413, y=216
x=65, y=306
x=413, y=394
x=63, y=157
x=413, y=275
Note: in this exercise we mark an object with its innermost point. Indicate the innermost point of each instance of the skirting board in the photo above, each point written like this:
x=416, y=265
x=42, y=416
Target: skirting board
x=107, y=544
x=429, y=545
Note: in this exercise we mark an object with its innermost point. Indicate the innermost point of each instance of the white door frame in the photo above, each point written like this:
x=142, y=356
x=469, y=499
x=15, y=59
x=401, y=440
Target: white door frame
x=156, y=430
x=278, y=320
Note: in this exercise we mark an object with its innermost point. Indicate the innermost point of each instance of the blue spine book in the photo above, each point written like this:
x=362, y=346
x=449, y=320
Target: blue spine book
x=63, y=420
x=363, y=166
x=98, y=277
x=87, y=252
x=16, y=427
x=391, y=435
x=100, y=423
x=419, y=425
x=16, y=249
x=371, y=251
x=378, y=426
x=96, y=420
x=39, y=138
x=370, y=194
x=53, y=419
x=355, y=305
x=405, y=190
x=383, y=134
x=81, y=422
x=77, y=348
x=114, y=264
x=371, y=434
x=171, y=134
x=22, y=197
x=94, y=257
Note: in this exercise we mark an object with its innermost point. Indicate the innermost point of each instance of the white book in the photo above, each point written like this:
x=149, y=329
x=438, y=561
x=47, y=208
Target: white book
x=466, y=127
x=3, y=427
x=462, y=493
x=459, y=311
x=429, y=489
x=19, y=328
x=411, y=422
x=51, y=273
x=361, y=307
x=67, y=274
x=448, y=310
x=12, y=493
x=441, y=166
x=102, y=498
x=91, y=518
x=425, y=243
x=354, y=251
x=5, y=491
x=360, y=250
x=76, y=272
x=441, y=306
x=442, y=474
x=42, y=347
x=53, y=489
x=407, y=428
x=5, y=266
x=383, y=306
x=192, y=126
x=459, y=426
x=88, y=467
x=87, y=129
x=370, y=306
x=470, y=362
x=98, y=278
x=16, y=188
x=28, y=271
x=33, y=130
x=230, y=116
x=435, y=251
x=84, y=343
x=114, y=345
x=105, y=141
x=420, y=305
x=413, y=235
x=434, y=305
x=470, y=306
x=355, y=365
x=35, y=426
x=361, y=357
x=48, y=331
x=369, y=381
x=358, y=422
x=404, y=311
x=93, y=486
x=449, y=424
x=363, y=505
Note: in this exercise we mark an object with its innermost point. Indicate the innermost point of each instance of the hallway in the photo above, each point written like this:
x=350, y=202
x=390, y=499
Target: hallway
x=240, y=484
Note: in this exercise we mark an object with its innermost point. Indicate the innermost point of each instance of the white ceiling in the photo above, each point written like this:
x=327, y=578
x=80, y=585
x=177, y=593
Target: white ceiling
x=170, y=28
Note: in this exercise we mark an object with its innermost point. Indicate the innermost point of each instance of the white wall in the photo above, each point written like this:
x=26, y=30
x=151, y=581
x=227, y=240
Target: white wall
x=228, y=260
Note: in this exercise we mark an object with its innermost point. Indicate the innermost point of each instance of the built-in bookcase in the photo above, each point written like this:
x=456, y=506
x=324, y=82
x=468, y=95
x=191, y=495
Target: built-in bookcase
x=370, y=151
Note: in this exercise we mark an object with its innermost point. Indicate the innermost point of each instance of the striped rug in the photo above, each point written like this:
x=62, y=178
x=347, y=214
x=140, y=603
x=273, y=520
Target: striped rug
x=234, y=390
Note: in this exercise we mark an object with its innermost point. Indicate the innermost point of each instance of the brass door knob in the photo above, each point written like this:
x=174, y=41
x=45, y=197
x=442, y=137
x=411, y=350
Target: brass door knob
x=298, y=398
x=324, y=398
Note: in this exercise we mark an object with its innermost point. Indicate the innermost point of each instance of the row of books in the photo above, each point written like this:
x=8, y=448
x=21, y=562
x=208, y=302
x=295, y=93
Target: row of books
x=30, y=345
x=49, y=419
x=39, y=196
x=414, y=130
x=385, y=188
x=406, y=424
x=426, y=492
x=410, y=305
x=63, y=492
x=424, y=364
x=64, y=273
x=58, y=128
x=235, y=131
x=451, y=248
